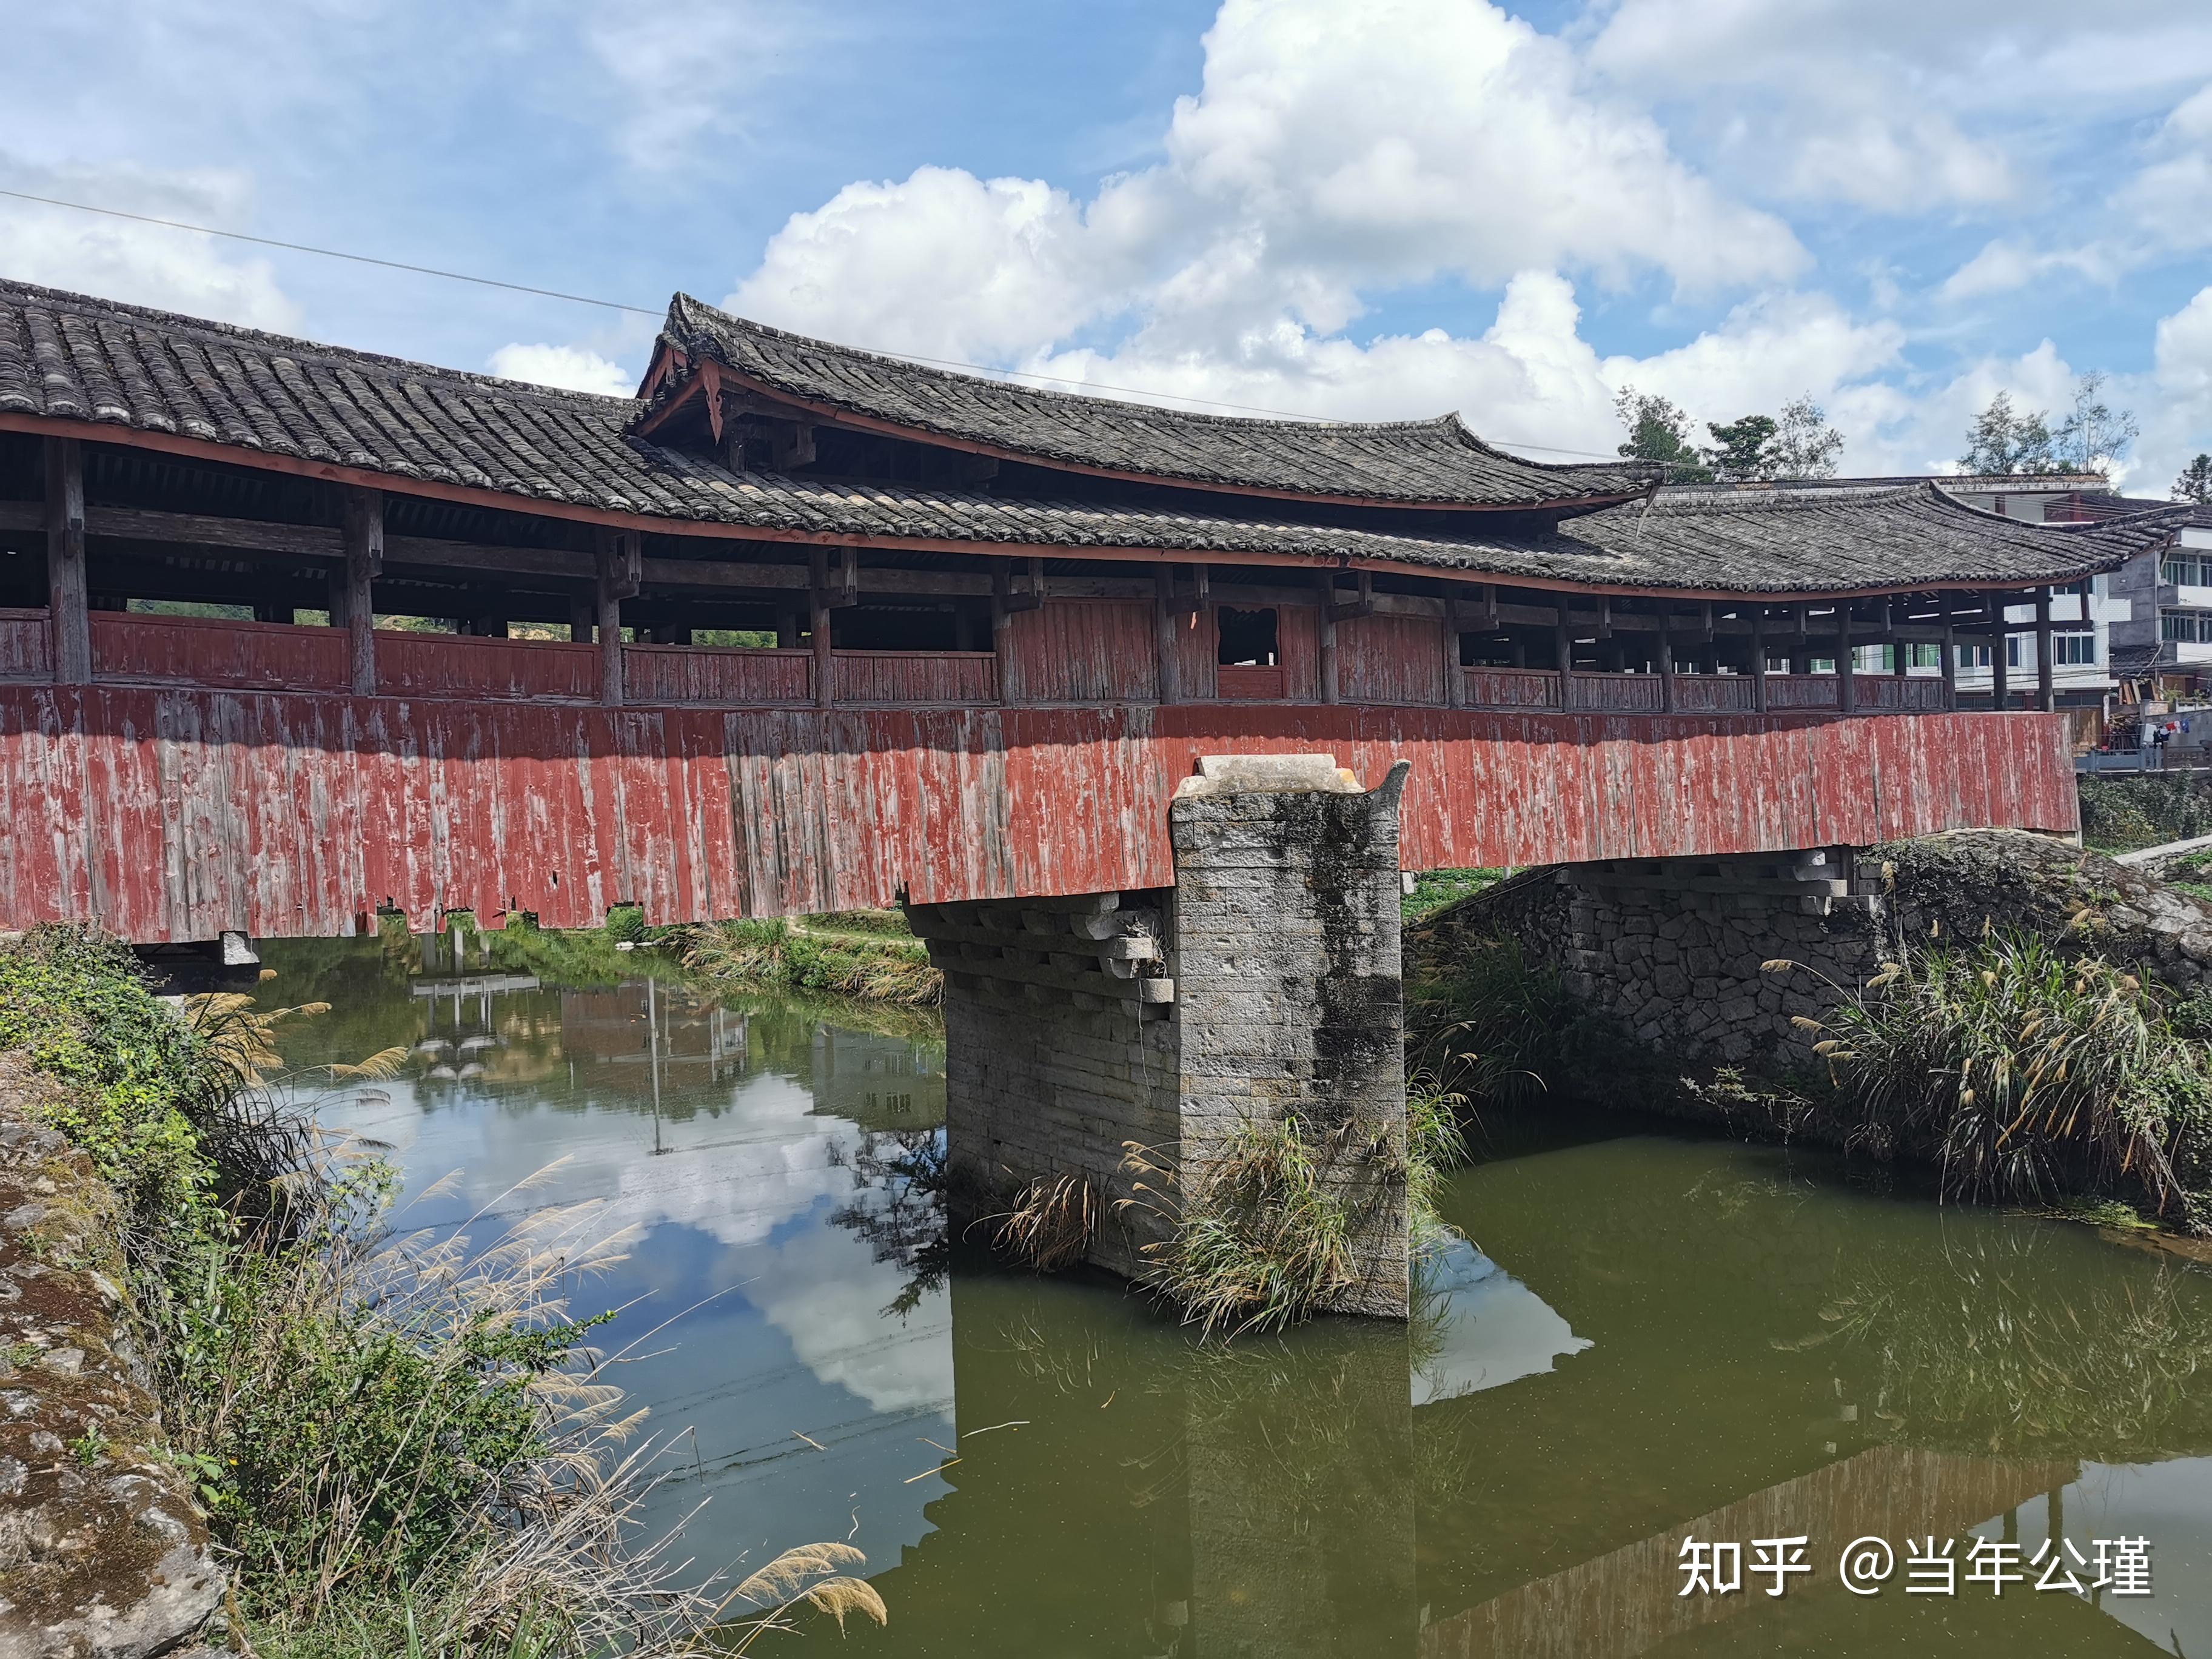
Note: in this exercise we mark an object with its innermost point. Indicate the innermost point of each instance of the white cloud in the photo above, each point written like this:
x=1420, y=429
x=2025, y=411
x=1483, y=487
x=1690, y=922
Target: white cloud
x=1330, y=153
x=943, y=264
x=684, y=75
x=570, y=367
x=140, y=264
x=2003, y=266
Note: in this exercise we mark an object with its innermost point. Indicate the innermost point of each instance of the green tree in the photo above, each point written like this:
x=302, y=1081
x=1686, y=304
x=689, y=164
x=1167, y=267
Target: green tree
x=1659, y=431
x=2004, y=441
x=1742, y=449
x=2094, y=436
x=1805, y=446
x=2194, y=483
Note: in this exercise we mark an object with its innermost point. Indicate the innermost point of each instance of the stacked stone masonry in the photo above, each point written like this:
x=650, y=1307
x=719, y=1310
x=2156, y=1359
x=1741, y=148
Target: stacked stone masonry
x=1264, y=987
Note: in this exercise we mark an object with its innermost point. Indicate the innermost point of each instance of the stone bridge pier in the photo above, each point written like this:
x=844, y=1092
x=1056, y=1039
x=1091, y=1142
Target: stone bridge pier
x=1262, y=991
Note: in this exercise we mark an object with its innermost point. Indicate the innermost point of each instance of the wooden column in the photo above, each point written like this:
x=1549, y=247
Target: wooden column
x=1758, y=658
x=1455, y=675
x=1169, y=675
x=1328, y=584
x=818, y=627
x=619, y=562
x=1900, y=653
x=1563, y=649
x=582, y=616
x=1666, y=662
x=1950, y=650
x=363, y=535
x=2000, y=670
x=2046, y=671
x=68, y=604
x=1847, y=690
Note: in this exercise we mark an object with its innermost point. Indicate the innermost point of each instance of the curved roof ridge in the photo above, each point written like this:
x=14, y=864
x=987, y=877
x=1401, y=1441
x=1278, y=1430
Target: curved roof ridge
x=288, y=345
x=1437, y=461
x=970, y=374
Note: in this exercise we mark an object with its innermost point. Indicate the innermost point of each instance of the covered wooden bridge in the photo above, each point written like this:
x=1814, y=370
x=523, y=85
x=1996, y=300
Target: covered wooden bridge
x=803, y=626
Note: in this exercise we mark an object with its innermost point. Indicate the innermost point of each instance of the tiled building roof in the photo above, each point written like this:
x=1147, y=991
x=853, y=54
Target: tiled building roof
x=123, y=370
x=1435, y=462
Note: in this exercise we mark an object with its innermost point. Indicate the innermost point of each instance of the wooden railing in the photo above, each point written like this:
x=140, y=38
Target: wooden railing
x=454, y=664
x=716, y=674
x=1511, y=688
x=24, y=653
x=130, y=647
x=217, y=651
x=963, y=678
x=1233, y=681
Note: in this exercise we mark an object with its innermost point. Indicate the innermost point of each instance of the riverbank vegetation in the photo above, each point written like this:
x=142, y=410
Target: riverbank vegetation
x=2122, y=812
x=405, y=1444
x=867, y=955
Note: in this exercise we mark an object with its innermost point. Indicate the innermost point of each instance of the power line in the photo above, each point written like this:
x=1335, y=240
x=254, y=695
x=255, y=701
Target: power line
x=645, y=311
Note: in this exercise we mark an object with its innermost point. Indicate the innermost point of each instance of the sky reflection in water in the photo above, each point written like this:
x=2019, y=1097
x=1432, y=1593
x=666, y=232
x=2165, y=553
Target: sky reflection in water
x=1647, y=1333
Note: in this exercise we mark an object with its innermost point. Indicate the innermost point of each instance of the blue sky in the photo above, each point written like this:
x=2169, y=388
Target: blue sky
x=1358, y=209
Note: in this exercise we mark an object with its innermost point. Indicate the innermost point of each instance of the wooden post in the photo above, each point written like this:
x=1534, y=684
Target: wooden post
x=787, y=629
x=2000, y=676
x=818, y=626
x=1847, y=690
x=1002, y=621
x=334, y=589
x=1169, y=671
x=1950, y=649
x=1455, y=675
x=1758, y=658
x=1666, y=662
x=581, y=618
x=1328, y=584
x=1900, y=653
x=1563, y=647
x=364, y=563
x=619, y=562
x=68, y=603
x=2046, y=672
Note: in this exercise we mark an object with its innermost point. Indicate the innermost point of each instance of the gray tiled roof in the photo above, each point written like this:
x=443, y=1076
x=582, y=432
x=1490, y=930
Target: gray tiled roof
x=125, y=370
x=1412, y=461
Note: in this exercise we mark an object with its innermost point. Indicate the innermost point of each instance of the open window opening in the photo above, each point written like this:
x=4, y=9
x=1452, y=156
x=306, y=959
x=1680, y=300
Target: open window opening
x=1246, y=639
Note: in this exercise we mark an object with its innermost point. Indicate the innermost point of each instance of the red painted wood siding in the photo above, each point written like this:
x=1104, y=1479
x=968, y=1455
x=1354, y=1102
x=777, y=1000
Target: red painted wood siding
x=716, y=674
x=216, y=651
x=1198, y=645
x=172, y=813
x=1297, y=648
x=458, y=666
x=1082, y=651
x=964, y=679
x=1888, y=693
x=23, y=646
x=1393, y=659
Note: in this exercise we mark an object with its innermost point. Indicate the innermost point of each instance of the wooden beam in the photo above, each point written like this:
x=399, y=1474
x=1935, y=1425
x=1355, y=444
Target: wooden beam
x=1950, y=650
x=615, y=559
x=1758, y=659
x=1563, y=647
x=1201, y=595
x=1351, y=610
x=363, y=533
x=68, y=601
x=818, y=623
x=2046, y=670
x=1326, y=580
x=1847, y=680
x=1455, y=675
x=1169, y=667
x=2000, y=643
x=1490, y=606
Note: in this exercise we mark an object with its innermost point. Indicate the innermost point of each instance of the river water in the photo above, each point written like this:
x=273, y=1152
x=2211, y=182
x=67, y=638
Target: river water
x=1651, y=1335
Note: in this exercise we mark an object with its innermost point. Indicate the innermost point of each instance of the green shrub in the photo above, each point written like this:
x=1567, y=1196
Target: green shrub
x=2027, y=1075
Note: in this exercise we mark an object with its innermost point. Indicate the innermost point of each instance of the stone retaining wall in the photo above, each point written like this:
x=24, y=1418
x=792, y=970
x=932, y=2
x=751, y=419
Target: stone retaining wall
x=103, y=1553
